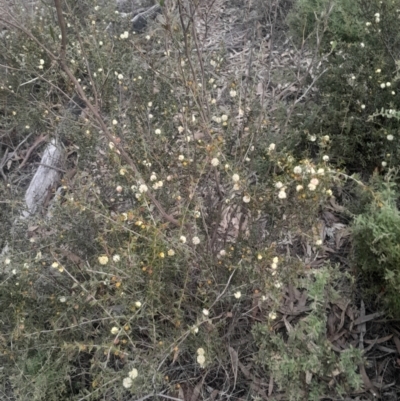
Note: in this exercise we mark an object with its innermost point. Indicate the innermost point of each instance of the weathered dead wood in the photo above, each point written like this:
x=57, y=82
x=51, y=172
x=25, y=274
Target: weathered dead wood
x=49, y=172
x=45, y=179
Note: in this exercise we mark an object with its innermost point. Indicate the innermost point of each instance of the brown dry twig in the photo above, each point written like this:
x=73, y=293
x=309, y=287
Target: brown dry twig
x=35, y=144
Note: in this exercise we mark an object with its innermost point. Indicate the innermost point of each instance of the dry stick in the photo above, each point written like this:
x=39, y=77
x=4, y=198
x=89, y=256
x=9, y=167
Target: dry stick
x=98, y=389
x=3, y=161
x=241, y=124
x=200, y=101
x=99, y=119
x=194, y=33
x=186, y=46
x=73, y=326
x=264, y=86
x=210, y=6
x=37, y=142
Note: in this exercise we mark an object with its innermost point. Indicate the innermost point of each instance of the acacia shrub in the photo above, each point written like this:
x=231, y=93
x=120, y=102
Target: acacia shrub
x=358, y=79
x=107, y=298
x=376, y=236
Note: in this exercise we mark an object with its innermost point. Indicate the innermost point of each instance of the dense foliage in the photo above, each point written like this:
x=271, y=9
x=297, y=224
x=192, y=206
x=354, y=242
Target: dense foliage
x=180, y=254
x=358, y=80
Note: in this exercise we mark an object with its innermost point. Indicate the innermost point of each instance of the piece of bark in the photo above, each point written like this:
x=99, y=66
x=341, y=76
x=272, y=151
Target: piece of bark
x=46, y=177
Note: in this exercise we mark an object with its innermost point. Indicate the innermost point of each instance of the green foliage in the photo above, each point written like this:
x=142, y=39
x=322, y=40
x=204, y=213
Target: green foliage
x=357, y=77
x=309, y=19
x=301, y=359
x=376, y=236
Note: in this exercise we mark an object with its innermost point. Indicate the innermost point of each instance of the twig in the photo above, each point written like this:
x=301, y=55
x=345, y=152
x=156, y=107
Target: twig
x=168, y=397
x=145, y=397
x=2, y=163
x=311, y=85
x=51, y=167
x=32, y=148
x=29, y=82
x=97, y=389
x=224, y=290
x=193, y=88
x=5, y=158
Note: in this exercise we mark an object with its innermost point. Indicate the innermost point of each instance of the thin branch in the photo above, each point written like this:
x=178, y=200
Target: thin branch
x=311, y=86
x=224, y=290
x=61, y=23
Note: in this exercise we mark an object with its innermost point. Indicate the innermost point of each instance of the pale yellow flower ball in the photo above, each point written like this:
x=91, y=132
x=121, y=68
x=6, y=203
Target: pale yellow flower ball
x=215, y=162
x=282, y=194
x=103, y=260
x=201, y=360
x=127, y=382
x=133, y=374
x=272, y=315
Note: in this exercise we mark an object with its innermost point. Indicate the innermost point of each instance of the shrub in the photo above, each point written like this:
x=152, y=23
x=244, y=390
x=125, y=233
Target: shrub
x=306, y=372
x=357, y=77
x=376, y=236
x=169, y=225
